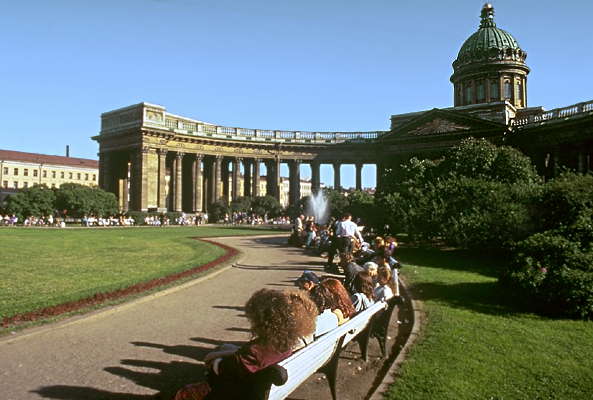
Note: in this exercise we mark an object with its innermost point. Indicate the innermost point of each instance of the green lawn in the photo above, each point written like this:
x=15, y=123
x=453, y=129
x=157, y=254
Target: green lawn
x=476, y=344
x=46, y=267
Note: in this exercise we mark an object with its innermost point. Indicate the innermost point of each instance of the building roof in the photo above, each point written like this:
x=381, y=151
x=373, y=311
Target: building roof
x=10, y=155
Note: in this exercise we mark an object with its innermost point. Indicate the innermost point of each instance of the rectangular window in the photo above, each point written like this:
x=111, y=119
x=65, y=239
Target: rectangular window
x=494, y=95
x=78, y=176
x=94, y=177
x=26, y=184
x=469, y=95
x=69, y=175
x=5, y=183
x=35, y=172
x=44, y=173
x=5, y=170
x=16, y=184
x=508, y=90
x=86, y=177
x=53, y=174
x=62, y=174
x=519, y=93
x=16, y=171
x=26, y=172
x=480, y=92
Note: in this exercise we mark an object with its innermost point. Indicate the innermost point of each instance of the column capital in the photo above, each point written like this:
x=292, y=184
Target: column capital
x=162, y=152
x=179, y=155
x=199, y=157
x=237, y=160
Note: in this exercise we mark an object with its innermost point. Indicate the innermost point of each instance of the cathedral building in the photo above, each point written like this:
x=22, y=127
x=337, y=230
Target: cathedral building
x=154, y=160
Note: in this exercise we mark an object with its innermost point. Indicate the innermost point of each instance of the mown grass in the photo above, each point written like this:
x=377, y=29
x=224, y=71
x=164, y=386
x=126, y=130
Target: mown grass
x=47, y=267
x=478, y=344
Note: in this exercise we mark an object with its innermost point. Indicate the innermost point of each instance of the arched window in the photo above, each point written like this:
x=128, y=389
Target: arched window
x=480, y=92
x=494, y=94
x=508, y=90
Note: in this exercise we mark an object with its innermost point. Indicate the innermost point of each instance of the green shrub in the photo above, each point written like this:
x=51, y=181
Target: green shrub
x=555, y=272
x=564, y=199
x=484, y=214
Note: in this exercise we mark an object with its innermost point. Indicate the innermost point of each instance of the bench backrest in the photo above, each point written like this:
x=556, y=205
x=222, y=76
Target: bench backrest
x=305, y=362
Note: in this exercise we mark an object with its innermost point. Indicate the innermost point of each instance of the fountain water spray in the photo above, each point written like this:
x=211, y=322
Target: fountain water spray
x=318, y=206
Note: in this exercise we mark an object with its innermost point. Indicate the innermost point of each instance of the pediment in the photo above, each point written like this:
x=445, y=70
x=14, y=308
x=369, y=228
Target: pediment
x=438, y=126
x=438, y=122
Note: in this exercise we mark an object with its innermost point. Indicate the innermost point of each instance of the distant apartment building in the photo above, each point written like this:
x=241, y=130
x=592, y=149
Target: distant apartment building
x=284, y=188
x=20, y=170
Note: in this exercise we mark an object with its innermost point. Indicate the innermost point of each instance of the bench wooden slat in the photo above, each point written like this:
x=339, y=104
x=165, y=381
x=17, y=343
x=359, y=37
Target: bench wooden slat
x=308, y=360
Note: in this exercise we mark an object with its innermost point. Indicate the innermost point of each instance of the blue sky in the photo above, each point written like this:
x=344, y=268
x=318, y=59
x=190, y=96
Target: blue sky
x=304, y=65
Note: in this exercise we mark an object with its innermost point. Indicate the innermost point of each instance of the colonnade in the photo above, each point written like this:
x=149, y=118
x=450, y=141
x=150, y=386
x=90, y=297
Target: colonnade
x=166, y=180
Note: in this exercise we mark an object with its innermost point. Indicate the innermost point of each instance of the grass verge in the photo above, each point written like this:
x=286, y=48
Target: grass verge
x=47, y=268
x=477, y=344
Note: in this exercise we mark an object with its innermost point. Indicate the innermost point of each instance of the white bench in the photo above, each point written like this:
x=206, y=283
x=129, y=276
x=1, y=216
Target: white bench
x=323, y=354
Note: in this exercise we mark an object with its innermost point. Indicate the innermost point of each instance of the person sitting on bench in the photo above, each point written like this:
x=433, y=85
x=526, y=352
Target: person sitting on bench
x=363, y=287
x=278, y=319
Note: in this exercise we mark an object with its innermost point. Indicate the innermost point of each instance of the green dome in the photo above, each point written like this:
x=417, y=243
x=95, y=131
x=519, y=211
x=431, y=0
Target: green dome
x=488, y=38
x=489, y=42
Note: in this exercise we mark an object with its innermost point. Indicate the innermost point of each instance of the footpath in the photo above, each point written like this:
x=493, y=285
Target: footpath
x=153, y=345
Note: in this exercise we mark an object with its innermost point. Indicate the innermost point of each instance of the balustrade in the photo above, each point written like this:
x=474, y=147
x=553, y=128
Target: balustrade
x=199, y=128
x=556, y=113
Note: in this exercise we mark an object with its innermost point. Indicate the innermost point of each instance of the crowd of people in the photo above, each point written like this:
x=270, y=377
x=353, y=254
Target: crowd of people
x=285, y=321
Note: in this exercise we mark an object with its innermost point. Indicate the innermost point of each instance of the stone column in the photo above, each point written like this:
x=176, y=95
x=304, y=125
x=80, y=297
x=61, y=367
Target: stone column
x=123, y=194
x=217, y=184
x=178, y=190
x=273, y=178
x=294, y=182
x=106, y=172
x=337, y=183
x=162, y=180
x=235, y=178
x=359, y=176
x=315, y=176
x=139, y=178
x=225, y=180
x=197, y=183
x=379, y=184
x=255, y=177
x=247, y=177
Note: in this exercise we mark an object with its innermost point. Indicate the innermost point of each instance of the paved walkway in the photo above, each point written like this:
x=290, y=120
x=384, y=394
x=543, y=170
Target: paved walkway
x=148, y=346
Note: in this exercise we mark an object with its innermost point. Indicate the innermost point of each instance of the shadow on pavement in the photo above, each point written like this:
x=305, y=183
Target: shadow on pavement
x=164, y=377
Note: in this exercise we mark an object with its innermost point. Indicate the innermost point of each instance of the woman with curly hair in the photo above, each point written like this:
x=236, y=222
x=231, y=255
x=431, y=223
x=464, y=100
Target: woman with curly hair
x=363, y=291
x=278, y=319
x=342, y=304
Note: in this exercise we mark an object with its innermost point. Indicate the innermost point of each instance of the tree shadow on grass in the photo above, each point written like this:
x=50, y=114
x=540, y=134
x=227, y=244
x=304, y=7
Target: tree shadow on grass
x=483, y=263
x=482, y=297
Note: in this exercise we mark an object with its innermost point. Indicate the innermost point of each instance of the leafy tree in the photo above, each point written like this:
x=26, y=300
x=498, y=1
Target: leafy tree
x=480, y=159
x=37, y=201
x=79, y=200
x=338, y=203
x=262, y=205
x=217, y=211
x=241, y=204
